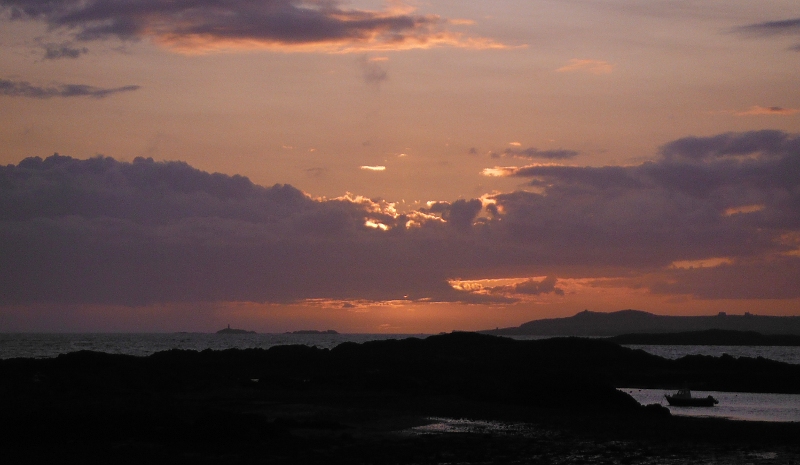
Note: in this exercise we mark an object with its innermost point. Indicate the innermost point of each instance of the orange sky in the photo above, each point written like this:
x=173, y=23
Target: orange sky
x=454, y=164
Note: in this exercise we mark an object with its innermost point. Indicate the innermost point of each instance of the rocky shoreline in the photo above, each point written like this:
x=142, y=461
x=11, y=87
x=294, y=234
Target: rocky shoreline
x=369, y=403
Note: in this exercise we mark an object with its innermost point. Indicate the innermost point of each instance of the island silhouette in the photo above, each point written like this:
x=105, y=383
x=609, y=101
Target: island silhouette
x=230, y=330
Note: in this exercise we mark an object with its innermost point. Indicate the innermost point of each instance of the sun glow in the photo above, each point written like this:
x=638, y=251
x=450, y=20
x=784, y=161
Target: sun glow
x=743, y=209
x=499, y=171
x=588, y=66
x=376, y=225
x=704, y=263
x=757, y=110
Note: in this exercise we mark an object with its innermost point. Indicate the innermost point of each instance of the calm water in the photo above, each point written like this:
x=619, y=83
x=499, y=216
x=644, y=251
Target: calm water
x=779, y=353
x=32, y=345
x=732, y=405
x=36, y=345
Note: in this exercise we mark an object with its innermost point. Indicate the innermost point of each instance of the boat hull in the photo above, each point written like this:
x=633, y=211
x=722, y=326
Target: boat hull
x=692, y=402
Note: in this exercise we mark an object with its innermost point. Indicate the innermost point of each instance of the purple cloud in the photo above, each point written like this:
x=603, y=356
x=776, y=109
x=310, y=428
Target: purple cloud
x=530, y=287
x=25, y=89
x=785, y=27
x=732, y=195
x=542, y=154
x=103, y=231
x=199, y=24
x=58, y=51
x=460, y=214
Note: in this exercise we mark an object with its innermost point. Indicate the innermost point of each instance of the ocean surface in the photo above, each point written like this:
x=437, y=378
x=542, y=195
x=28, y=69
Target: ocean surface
x=785, y=354
x=39, y=345
x=45, y=345
x=732, y=405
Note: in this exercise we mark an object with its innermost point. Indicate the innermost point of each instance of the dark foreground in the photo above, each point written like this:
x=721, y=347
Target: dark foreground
x=550, y=401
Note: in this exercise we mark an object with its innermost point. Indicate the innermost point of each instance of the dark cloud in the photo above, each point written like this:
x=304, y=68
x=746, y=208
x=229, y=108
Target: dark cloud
x=757, y=160
x=459, y=214
x=25, y=89
x=372, y=71
x=316, y=172
x=786, y=27
x=107, y=232
x=543, y=154
x=57, y=51
x=606, y=177
x=199, y=23
x=681, y=207
x=102, y=231
x=530, y=287
x=767, y=142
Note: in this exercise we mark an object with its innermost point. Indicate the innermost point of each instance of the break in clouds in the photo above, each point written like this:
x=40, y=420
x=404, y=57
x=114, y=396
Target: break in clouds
x=201, y=24
x=103, y=231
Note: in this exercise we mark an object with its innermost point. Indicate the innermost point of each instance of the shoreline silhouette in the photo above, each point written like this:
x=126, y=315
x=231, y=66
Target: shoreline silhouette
x=359, y=403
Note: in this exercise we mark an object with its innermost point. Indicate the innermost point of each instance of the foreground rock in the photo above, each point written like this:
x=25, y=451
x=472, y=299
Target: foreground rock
x=358, y=403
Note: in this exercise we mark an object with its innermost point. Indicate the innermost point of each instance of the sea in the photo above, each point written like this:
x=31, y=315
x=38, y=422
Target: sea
x=735, y=406
x=46, y=345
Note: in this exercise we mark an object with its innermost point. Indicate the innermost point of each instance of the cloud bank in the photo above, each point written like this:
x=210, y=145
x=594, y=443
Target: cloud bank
x=198, y=25
x=713, y=218
x=25, y=89
x=679, y=207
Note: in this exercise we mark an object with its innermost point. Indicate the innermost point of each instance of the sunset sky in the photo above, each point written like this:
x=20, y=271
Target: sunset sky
x=400, y=166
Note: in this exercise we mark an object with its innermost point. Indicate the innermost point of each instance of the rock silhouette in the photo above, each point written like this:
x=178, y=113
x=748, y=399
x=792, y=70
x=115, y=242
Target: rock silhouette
x=355, y=403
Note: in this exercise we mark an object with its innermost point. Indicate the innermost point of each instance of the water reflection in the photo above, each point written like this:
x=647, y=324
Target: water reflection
x=732, y=405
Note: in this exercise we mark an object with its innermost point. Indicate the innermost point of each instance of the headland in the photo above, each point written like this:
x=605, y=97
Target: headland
x=587, y=323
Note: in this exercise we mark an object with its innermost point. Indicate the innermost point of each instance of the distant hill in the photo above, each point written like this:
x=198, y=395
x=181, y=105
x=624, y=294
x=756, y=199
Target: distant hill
x=587, y=323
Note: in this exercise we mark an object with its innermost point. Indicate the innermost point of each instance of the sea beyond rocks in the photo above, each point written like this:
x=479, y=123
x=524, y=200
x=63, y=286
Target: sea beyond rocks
x=358, y=403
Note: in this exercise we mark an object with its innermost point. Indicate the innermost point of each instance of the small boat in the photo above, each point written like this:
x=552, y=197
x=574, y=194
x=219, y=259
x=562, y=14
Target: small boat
x=684, y=398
